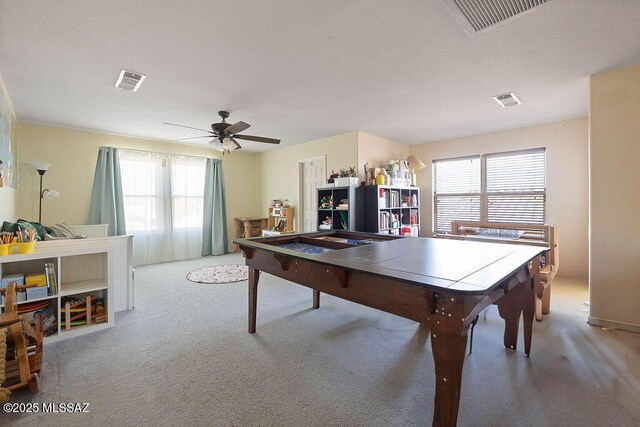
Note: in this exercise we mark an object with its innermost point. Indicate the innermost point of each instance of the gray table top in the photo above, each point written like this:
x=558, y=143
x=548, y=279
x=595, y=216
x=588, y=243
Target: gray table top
x=463, y=267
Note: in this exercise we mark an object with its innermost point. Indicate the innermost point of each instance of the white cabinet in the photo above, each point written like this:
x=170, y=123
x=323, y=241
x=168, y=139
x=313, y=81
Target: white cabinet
x=101, y=267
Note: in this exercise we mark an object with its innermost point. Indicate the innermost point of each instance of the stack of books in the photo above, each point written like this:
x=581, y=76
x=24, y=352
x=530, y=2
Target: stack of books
x=344, y=204
x=327, y=224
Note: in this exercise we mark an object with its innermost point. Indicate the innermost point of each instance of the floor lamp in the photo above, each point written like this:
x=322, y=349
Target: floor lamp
x=51, y=194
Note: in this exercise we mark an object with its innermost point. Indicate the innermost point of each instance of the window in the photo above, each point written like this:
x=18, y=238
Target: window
x=139, y=191
x=187, y=192
x=163, y=199
x=502, y=187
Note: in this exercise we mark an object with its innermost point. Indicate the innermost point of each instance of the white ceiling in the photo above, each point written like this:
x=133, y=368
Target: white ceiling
x=301, y=70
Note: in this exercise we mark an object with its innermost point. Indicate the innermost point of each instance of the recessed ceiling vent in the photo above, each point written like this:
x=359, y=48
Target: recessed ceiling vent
x=478, y=15
x=507, y=100
x=128, y=80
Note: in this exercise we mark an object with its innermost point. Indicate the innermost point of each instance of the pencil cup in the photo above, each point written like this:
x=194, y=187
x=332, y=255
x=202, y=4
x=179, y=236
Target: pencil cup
x=26, y=248
x=6, y=249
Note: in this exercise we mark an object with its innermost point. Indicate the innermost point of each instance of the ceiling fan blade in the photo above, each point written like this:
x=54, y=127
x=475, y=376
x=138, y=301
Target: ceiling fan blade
x=193, y=137
x=188, y=127
x=238, y=146
x=258, y=139
x=237, y=127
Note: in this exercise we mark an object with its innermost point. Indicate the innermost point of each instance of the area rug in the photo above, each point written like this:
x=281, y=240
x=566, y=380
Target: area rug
x=227, y=273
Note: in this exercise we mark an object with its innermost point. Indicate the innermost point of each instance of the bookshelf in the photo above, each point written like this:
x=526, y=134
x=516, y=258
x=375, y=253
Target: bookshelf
x=100, y=267
x=342, y=216
x=280, y=221
x=389, y=209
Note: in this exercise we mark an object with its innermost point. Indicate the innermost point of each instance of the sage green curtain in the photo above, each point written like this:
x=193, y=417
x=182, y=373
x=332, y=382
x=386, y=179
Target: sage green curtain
x=214, y=237
x=107, y=206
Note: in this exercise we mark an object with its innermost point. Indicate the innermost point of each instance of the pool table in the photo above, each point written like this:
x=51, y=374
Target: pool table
x=442, y=284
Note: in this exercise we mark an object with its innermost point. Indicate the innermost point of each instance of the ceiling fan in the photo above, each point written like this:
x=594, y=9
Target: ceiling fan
x=225, y=134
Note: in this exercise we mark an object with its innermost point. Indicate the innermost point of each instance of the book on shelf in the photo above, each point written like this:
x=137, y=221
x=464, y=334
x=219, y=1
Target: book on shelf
x=394, y=196
x=385, y=220
x=50, y=272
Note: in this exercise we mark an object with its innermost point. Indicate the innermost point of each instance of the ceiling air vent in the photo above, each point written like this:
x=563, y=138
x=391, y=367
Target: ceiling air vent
x=507, y=100
x=129, y=80
x=479, y=15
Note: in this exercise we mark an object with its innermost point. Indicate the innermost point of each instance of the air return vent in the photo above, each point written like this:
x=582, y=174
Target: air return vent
x=507, y=100
x=479, y=15
x=129, y=80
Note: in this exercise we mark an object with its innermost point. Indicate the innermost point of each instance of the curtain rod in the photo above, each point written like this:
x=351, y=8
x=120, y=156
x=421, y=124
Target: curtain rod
x=160, y=152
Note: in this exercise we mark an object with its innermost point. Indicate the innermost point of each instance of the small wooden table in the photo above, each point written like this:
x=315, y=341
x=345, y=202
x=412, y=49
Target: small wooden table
x=249, y=226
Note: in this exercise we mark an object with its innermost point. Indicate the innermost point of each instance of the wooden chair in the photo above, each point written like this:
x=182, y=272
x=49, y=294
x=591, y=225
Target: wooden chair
x=24, y=346
x=523, y=234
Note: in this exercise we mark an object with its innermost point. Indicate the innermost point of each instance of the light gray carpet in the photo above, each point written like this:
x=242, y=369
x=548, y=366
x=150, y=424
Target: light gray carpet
x=183, y=357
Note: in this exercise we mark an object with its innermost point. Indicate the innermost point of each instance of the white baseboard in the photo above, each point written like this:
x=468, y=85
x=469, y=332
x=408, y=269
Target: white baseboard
x=612, y=324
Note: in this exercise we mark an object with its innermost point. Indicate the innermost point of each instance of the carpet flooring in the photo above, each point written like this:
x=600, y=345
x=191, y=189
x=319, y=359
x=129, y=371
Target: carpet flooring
x=183, y=357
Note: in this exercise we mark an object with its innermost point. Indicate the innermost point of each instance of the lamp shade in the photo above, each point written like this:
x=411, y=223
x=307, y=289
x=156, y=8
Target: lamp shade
x=52, y=194
x=42, y=166
x=228, y=144
x=415, y=163
x=216, y=144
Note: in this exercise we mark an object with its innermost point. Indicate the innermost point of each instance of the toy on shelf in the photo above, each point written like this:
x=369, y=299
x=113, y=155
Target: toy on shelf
x=82, y=312
x=44, y=310
x=326, y=202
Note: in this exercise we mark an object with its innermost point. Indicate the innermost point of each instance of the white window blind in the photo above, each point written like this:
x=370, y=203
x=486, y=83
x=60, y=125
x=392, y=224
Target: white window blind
x=516, y=187
x=457, y=189
x=502, y=187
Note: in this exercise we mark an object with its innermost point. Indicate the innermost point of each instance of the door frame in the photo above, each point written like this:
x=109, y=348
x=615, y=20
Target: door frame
x=301, y=163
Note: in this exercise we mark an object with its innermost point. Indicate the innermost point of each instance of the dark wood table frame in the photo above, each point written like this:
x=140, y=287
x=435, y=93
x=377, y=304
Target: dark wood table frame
x=447, y=312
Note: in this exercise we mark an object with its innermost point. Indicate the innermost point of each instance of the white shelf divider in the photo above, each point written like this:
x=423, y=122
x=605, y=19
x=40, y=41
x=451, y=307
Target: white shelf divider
x=84, y=286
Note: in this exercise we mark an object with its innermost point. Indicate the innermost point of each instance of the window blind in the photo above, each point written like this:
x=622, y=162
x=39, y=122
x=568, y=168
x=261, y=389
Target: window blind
x=457, y=190
x=457, y=176
x=501, y=187
x=515, y=187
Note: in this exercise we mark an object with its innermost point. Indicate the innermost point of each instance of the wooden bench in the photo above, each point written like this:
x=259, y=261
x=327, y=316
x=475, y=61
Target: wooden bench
x=523, y=234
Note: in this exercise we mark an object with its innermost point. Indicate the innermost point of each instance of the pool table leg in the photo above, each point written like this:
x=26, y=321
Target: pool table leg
x=316, y=298
x=510, y=307
x=449, y=350
x=254, y=276
x=528, y=312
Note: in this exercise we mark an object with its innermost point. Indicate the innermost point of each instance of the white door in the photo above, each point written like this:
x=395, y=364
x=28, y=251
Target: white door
x=313, y=176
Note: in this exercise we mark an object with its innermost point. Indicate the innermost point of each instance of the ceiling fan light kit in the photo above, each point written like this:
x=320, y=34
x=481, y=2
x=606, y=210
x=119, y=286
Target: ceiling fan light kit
x=224, y=134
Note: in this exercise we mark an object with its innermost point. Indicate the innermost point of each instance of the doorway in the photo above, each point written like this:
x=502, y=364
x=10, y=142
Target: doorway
x=311, y=176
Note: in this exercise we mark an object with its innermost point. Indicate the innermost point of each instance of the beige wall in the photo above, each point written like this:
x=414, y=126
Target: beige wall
x=278, y=170
x=8, y=195
x=377, y=151
x=567, y=179
x=614, y=155
x=73, y=154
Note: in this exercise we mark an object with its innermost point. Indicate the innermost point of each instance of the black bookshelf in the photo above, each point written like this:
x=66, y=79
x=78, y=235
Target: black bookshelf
x=342, y=218
x=388, y=209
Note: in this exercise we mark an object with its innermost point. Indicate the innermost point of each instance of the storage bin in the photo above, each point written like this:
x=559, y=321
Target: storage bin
x=6, y=249
x=26, y=248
